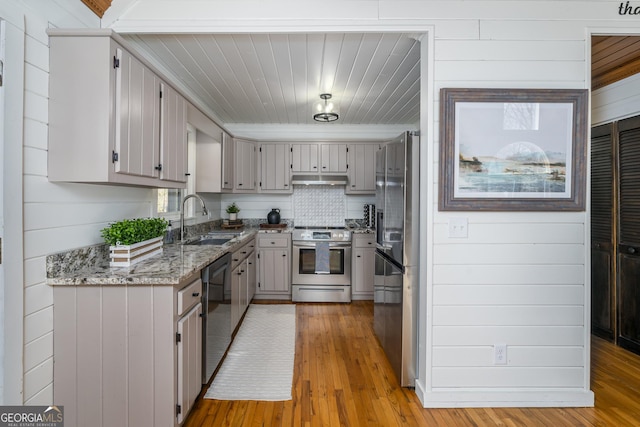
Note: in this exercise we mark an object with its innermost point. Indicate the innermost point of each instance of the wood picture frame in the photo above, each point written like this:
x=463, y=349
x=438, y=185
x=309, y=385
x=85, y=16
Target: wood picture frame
x=513, y=149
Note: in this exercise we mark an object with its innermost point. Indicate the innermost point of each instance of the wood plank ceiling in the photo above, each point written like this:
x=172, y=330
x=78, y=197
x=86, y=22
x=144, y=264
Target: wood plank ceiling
x=613, y=58
x=276, y=78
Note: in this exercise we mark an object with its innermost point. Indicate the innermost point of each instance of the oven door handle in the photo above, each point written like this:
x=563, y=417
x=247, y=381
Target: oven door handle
x=313, y=245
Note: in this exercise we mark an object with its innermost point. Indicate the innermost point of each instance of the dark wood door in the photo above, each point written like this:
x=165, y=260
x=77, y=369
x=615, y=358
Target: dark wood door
x=628, y=248
x=602, y=228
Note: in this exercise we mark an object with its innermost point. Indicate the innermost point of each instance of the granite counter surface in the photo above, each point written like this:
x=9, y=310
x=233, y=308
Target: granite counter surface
x=175, y=264
x=362, y=230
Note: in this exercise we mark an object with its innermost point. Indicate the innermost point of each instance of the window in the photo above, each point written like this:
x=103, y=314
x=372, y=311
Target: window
x=169, y=201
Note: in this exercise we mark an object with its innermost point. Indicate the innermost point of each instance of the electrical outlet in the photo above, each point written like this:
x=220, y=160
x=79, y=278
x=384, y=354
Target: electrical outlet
x=499, y=354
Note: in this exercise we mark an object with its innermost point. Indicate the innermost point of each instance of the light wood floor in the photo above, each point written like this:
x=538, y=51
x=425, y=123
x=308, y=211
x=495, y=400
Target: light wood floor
x=342, y=378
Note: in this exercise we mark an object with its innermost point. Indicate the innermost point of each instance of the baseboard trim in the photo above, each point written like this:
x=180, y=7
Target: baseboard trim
x=506, y=399
x=420, y=390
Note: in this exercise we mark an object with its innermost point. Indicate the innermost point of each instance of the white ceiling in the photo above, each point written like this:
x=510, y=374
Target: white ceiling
x=276, y=78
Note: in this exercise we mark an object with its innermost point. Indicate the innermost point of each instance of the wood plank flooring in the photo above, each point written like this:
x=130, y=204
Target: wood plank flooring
x=342, y=378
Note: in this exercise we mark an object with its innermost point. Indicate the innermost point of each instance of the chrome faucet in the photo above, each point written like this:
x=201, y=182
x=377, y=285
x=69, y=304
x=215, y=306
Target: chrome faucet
x=204, y=212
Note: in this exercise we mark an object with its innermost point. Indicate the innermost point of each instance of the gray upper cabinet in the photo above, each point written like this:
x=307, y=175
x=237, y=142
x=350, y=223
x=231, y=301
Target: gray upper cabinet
x=274, y=168
x=108, y=122
x=333, y=158
x=137, y=112
x=313, y=158
x=304, y=158
x=227, y=163
x=245, y=166
x=173, y=159
x=362, y=169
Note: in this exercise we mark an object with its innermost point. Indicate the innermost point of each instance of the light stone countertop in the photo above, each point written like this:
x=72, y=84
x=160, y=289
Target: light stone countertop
x=362, y=230
x=172, y=267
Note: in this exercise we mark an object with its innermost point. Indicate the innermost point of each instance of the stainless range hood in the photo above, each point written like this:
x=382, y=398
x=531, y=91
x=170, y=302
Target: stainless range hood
x=319, y=180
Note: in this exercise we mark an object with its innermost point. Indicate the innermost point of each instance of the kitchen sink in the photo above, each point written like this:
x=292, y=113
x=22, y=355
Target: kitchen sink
x=209, y=241
x=214, y=238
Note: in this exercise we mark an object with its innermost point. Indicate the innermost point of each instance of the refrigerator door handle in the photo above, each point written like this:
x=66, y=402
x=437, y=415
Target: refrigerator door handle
x=380, y=226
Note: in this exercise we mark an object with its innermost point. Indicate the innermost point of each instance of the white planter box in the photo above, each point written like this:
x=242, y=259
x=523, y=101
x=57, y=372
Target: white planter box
x=126, y=256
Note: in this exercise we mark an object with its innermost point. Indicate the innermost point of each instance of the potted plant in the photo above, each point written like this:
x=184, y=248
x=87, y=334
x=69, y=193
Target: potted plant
x=133, y=240
x=233, y=210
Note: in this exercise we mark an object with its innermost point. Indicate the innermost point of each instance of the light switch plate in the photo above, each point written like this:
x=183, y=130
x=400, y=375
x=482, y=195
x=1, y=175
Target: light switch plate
x=458, y=228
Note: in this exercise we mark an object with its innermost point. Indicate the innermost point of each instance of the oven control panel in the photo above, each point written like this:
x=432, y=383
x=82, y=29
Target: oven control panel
x=335, y=235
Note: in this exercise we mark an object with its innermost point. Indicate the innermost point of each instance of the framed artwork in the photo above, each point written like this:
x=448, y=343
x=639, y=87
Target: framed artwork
x=513, y=149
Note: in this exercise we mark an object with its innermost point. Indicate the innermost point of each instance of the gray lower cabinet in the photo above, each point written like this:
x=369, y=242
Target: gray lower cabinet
x=242, y=280
x=362, y=266
x=274, y=266
x=127, y=355
x=189, y=340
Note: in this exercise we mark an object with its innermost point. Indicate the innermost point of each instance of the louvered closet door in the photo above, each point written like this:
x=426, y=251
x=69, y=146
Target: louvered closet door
x=602, y=202
x=629, y=234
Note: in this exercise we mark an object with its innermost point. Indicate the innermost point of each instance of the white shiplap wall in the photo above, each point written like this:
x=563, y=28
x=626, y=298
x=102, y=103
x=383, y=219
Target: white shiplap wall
x=502, y=284
x=519, y=278
x=57, y=217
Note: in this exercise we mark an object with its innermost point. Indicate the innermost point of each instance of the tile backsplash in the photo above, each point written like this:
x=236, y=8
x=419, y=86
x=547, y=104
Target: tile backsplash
x=319, y=205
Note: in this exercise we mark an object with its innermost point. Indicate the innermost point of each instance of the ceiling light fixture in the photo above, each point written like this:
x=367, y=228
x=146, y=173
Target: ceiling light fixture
x=325, y=112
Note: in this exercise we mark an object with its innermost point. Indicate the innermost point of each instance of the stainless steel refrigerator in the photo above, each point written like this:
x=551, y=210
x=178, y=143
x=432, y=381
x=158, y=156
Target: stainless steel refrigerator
x=396, y=276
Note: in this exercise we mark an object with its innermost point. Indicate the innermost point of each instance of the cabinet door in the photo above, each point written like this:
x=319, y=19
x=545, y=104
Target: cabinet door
x=243, y=292
x=334, y=158
x=251, y=276
x=362, y=169
x=227, y=162
x=273, y=274
x=137, y=112
x=245, y=175
x=236, y=279
x=304, y=158
x=602, y=232
x=363, y=271
x=275, y=168
x=189, y=360
x=173, y=161
x=628, y=244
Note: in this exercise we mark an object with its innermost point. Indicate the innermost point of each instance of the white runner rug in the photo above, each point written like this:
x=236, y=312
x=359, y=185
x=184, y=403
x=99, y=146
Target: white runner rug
x=259, y=364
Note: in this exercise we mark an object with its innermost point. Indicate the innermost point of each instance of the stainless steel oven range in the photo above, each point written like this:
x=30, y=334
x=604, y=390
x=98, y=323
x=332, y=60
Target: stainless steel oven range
x=321, y=264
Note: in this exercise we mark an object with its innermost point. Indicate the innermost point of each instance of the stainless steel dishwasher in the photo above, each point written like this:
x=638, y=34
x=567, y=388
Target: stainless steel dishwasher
x=216, y=316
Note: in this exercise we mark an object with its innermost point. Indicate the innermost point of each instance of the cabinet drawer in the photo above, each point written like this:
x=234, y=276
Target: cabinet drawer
x=274, y=242
x=189, y=296
x=364, y=241
x=242, y=253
